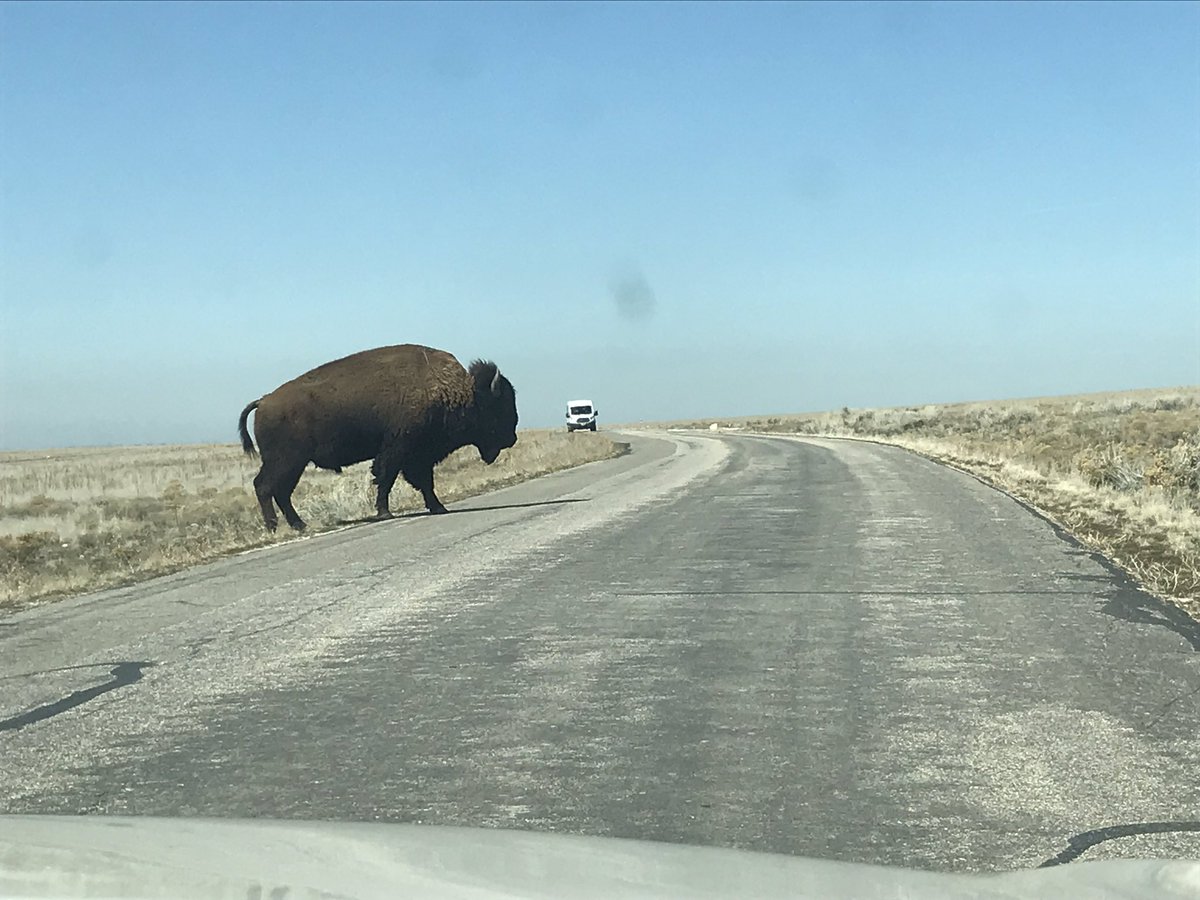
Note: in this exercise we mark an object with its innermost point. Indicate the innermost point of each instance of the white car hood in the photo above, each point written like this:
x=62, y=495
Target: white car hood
x=128, y=857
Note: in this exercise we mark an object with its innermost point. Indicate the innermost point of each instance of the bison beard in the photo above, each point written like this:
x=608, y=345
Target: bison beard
x=405, y=407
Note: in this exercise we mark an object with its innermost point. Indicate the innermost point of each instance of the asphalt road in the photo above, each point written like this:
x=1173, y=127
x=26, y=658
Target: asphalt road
x=817, y=647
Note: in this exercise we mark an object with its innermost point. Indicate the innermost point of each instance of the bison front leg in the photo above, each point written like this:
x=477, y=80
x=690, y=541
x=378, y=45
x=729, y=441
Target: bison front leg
x=420, y=476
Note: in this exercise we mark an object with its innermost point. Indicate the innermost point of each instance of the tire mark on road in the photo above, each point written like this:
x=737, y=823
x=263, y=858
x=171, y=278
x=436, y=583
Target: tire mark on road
x=1081, y=843
x=123, y=674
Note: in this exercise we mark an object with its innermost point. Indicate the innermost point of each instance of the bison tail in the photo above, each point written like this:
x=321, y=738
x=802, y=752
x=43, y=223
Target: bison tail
x=247, y=444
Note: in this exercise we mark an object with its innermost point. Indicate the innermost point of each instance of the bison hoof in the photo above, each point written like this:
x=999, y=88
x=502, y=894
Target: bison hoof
x=383, y=514
x=437, y=510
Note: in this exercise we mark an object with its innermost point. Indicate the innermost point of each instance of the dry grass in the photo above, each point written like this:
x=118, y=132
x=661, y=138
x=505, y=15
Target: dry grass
x=1121, y=472
x=77, y=520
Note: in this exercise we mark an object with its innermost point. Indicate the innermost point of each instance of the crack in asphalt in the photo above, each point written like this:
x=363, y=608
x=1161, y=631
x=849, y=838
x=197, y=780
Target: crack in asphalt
x=1162, y=714
x=123, y=674
x=194, y=647
x=1080, y=843
x=299, y=617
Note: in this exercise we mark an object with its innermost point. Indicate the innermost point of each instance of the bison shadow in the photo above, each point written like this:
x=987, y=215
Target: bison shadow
x=422, y=514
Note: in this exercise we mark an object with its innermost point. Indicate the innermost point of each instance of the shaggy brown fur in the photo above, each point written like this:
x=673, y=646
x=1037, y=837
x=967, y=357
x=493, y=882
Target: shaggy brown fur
x=406, y=407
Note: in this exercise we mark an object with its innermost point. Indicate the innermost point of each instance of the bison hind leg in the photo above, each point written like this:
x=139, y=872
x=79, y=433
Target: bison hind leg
x=384, y=471
x=276, y=481
x=283, y=496
x=264, y=489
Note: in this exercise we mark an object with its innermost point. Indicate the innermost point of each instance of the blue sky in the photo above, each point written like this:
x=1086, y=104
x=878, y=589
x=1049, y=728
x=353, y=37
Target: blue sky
x=674, y=209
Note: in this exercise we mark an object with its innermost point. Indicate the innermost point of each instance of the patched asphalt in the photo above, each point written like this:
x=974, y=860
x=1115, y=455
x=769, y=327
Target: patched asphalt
x=817, y=647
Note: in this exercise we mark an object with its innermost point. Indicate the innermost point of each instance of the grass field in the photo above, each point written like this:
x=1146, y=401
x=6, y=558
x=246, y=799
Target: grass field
x=1120, y=471
x=80, y=519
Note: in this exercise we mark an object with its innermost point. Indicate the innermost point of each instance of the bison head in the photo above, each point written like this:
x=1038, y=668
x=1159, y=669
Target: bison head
x=495, y=410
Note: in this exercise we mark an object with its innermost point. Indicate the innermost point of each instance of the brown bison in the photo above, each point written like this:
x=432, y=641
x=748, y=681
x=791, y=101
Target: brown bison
x=406, y=407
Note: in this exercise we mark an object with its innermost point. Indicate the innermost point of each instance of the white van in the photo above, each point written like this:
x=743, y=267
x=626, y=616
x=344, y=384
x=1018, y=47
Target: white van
x=581, y=414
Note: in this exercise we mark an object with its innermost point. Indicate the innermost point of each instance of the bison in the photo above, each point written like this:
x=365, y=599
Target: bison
x=406, y=407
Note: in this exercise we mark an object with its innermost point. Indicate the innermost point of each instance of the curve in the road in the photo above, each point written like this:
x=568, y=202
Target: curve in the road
x=1129, y=602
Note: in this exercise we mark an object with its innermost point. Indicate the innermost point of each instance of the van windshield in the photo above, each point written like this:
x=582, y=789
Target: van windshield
x=581, y=410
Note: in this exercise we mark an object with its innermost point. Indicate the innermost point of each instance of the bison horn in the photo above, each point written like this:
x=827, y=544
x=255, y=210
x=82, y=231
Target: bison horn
x=496, y=381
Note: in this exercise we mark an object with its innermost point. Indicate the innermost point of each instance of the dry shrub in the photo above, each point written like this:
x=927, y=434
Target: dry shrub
x=1177, y=469
x=41, y=505
x=1109, y=467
